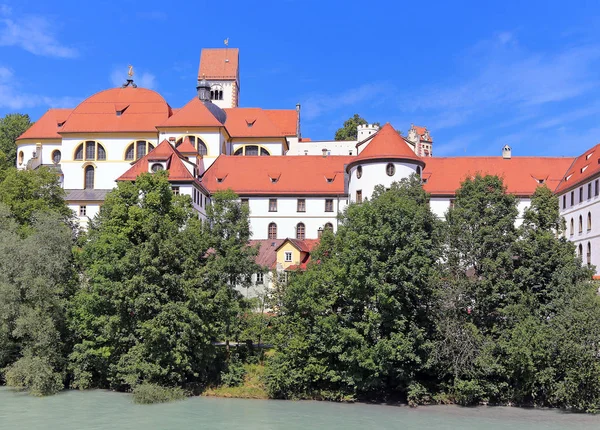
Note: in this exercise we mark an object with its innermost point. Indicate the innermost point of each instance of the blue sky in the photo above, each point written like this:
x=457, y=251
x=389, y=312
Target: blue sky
x=478, y=74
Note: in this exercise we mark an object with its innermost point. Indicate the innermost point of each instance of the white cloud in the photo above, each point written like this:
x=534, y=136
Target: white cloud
x=316, y=105
x=32, y=33
x=142, y=79
x=12, y=98
x=502, y=76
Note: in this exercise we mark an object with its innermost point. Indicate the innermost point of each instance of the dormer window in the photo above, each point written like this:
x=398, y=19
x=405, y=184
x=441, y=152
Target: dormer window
x=587, y=157
x=250, y=122
x=583, y=168
x=157, y=167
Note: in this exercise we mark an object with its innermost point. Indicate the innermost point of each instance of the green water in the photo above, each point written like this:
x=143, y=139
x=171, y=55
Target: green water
x=99, y=410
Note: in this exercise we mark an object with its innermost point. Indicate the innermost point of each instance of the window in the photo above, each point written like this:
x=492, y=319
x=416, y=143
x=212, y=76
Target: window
x=300, y=231
x=288, y=256
x=252, y=150
x=272, y=233
x=88, y=180
x=572, y=198
x=156, y=167
x=359, y=172
x=140, y=149
x=580, y=224
x=564, y=201
x=328, y=205
x=272, y=205
x=572, y=229
x=589, y=195
x=580, y=194
x=580, y=249
x=589, y=254
x=260, y=278
x=301, y=205
x=92, y=151
x=21, y=157
x=451, y=206
x=390, y=169
x=130, y=153
x=589, y=221
x=82, y=210
x=596, y=190
x=175, y=191
x=196, y=142
x=329, y=226
x=244, y=202
x=419, y=170
x=359, y=196
x=56, y=156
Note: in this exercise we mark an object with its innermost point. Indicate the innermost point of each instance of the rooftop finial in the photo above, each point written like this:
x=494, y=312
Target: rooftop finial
x=129, y=79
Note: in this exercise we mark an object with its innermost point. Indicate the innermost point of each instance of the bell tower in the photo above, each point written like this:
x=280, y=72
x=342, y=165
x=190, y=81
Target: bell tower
x=220, y=68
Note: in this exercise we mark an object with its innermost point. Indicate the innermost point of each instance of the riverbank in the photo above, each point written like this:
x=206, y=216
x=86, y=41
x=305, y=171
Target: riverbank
x=253, y=386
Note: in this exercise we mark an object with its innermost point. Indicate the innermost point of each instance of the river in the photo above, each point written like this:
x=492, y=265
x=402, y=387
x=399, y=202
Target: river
x=103, y=410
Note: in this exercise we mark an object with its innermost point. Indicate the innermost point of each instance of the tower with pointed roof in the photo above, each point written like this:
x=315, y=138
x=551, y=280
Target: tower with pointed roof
x=220, y=67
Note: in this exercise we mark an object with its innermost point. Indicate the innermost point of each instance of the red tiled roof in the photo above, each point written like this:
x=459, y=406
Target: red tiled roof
x=444, y=175
x=304, y=245
x=47, y=126
x=285, y=119
x=267, y=253
x=583, y=167
x=300, y=175
x=252, y=122
x=221, y=63
x=178, y=172
x=193, y=114
x=387, y=143
x=145, y=109
x=186, y=147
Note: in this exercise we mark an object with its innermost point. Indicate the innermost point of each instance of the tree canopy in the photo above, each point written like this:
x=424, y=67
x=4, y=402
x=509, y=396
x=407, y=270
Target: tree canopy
x=11, y=127
x=350, y=129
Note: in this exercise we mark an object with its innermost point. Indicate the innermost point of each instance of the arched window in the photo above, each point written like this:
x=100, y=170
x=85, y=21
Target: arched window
x=56, y=156
x=272, y=234
x=589, y=254
x=138, y=149
x=329, y=226
x=89, y=178
x=390, y=169
x=358, y=172
x=91, y=150
x=300, y=231
x=580, y=224
x=580, y=250
x=419, y=170
x=589, y=221
x=572, y=230
x=21, y=157
x=130, y=153
x=252, y=150
x=239, y=151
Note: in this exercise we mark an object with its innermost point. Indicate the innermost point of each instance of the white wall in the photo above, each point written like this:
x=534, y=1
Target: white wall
x=230, y=93
x=374, y=173
x=334, y=147
x=287, y=216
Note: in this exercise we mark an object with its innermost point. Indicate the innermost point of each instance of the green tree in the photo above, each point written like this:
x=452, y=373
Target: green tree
x=36, y=281
x=26, y=192
x=157, y=287
x=11, y=126
x=357, y=323
x=350, y=129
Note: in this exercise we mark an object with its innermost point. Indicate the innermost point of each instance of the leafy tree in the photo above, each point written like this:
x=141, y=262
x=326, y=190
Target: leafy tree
x=11, y=127
x=158, y=287
x=350, y=129
x=26, y=192
x=35, y=284
x=357, y=323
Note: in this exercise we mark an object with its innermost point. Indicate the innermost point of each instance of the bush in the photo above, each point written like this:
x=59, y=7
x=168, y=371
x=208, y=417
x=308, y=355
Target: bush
x=34, y=374
x=234, y=375
x=467, y=393
x=418, y=395
x=147, y=393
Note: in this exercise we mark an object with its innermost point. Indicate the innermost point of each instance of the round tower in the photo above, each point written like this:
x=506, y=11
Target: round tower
x=366, y=130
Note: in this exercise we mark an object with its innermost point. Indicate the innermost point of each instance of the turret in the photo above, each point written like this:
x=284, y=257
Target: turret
x=366, y=130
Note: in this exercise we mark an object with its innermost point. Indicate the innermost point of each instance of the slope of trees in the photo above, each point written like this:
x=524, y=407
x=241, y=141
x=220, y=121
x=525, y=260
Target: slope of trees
x=11, y=127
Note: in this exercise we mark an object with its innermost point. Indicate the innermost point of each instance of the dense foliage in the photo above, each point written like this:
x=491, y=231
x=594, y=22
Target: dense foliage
x=473, y=309
x=397, y=305
x=11, y=127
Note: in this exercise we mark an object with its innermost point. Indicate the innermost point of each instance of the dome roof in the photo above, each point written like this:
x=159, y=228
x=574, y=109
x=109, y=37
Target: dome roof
x=119, y=110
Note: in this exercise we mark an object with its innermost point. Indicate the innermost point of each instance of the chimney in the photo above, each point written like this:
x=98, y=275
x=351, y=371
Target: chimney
x=324, y=152
x=298, y=133
x=506, y=152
